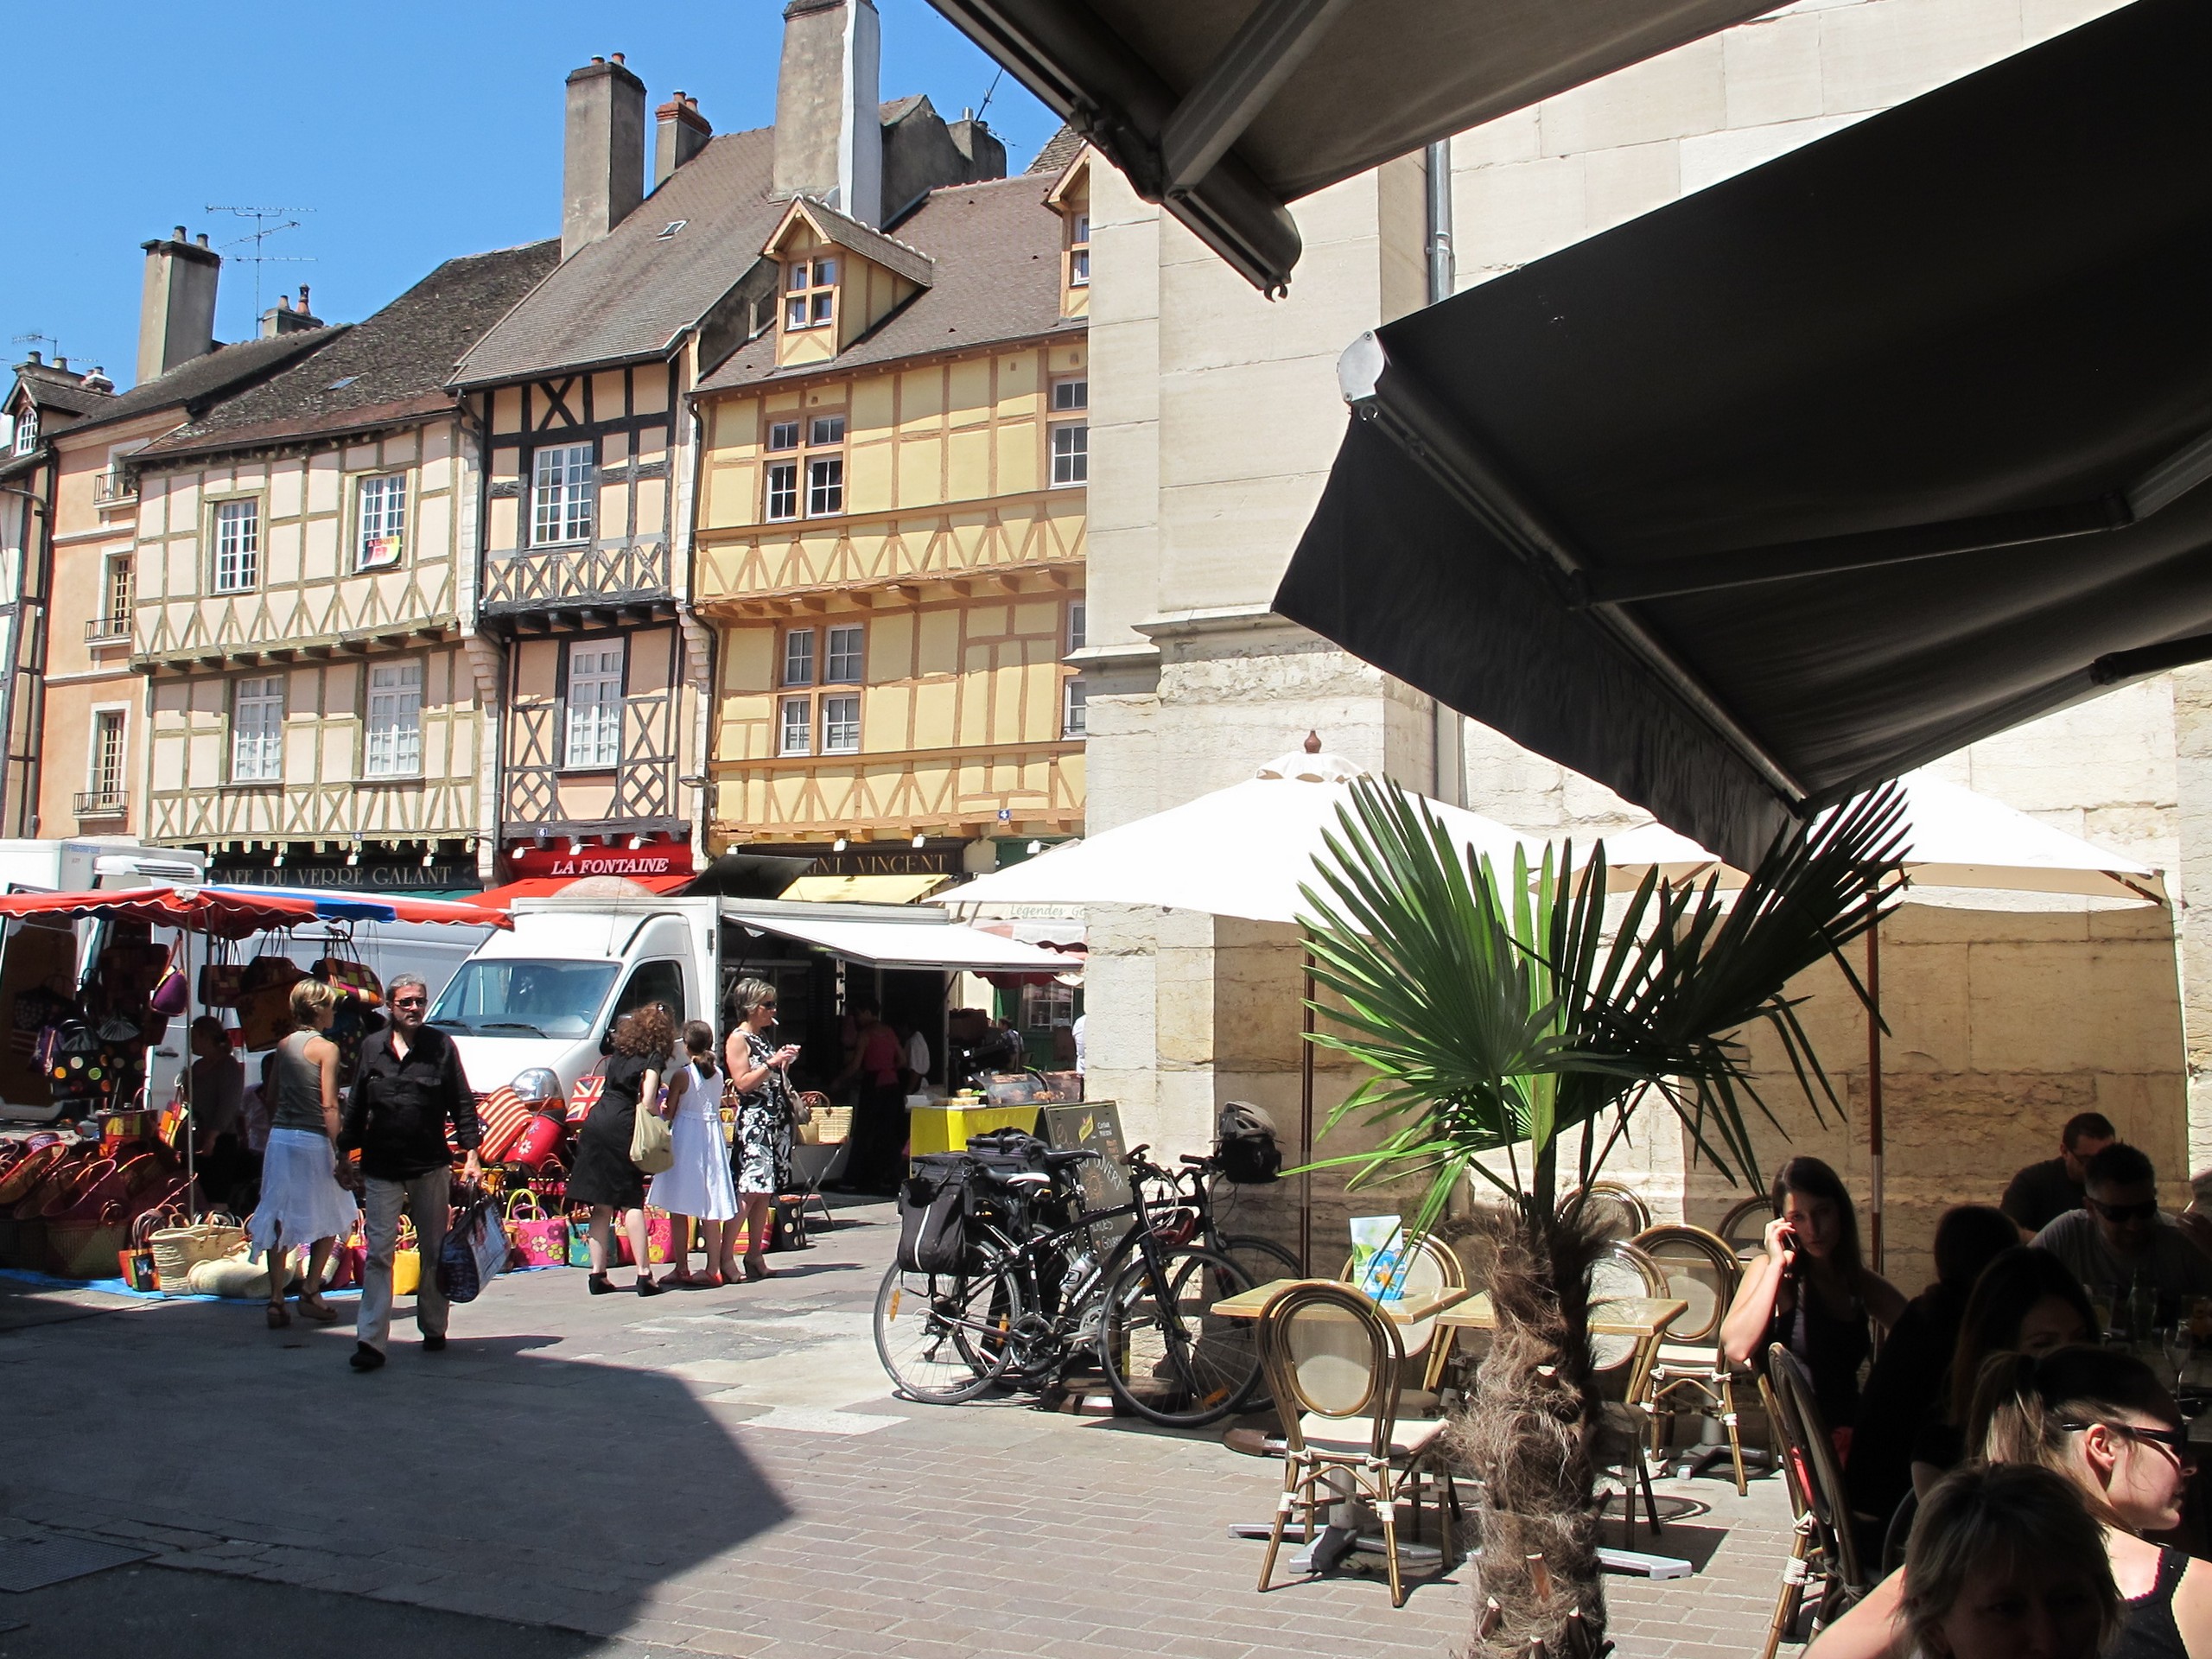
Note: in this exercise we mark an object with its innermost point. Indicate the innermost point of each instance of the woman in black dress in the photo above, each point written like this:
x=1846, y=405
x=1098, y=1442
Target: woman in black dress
x=603, y=1177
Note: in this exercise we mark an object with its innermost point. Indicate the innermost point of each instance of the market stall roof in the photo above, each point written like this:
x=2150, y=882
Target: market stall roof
x=874, y=889
x=238, y=912
x=1830, y=469
x=1228, y=110
x=924, y=938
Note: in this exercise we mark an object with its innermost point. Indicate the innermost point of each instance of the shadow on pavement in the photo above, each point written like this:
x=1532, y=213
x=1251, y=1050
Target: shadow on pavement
x=489, y=1479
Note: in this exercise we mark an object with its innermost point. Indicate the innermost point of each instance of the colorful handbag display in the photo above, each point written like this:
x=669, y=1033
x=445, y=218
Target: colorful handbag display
x=136, y=1259
x=355, y=978
x=503, y=1118
x=407, y=1261
x=579, y=1241
x=540, y=1240
x=171, y=995
x=540, y=1139
x=221, y=984
x=584, y=1097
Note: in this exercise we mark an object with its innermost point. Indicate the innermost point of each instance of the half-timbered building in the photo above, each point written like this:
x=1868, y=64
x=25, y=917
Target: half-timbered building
x=582, y=395
x=892, y=535
x=306, y=570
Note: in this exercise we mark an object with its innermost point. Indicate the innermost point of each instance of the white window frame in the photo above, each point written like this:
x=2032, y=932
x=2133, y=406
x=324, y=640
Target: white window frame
x=795, y=725
x=236, y=527
x=781, y=505
x=825, y=486
x=1079, y=251
x=810, y=294
x=591, y=734
x=392, y=744
x=1075, y=704
x=563, y=495
x=1070, y=454
x=846, y=645
x=257, y=729
x=120, y=597
x=1073, y=394
x=798, y=657
x=95, y=785
x=26, y=429
x=841, y=723
x=1078, y=622
x=380, y=521
x=778, y=444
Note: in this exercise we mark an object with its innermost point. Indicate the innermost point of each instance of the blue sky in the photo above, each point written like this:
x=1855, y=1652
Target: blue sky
x=416, y=131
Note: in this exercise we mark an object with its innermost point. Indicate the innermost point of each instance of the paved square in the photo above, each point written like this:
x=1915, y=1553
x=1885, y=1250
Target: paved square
x=718, y=1472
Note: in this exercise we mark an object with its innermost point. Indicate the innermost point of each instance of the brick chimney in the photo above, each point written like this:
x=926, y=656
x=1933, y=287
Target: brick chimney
x=176, y=307
x=679, y=133
x=985, y=152
x=603, y=158
x=285, y=318
x=828, y=117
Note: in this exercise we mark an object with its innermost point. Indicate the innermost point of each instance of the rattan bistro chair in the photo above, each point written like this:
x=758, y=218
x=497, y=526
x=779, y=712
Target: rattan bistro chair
x=1621, y=1371
x=1430, y=1267
x=1691, y=1365
x=1743, y=1228
x=1618, y=1213
x=1824, y=1549
x=1332, y=1362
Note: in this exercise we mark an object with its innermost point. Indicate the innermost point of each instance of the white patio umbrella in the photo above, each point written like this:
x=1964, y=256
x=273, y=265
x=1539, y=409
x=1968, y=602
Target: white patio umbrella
x=1246, y=850
x=1954, y=838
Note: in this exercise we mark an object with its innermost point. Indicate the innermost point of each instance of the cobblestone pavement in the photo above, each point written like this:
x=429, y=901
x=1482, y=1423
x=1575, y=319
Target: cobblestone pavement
x=722, y=1473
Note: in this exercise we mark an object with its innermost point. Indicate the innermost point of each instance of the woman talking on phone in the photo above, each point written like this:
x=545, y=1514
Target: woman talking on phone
x=1810, y=1292
x=760, y=1073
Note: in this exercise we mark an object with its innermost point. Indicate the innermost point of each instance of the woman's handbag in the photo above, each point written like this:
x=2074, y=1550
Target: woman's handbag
x=652, y=1148
x=136, y=1259
x=171, y=995
x=177, y=1251
x=542, y=1241
x=579, y=1241
x=407, y=1261
x=539, y=1140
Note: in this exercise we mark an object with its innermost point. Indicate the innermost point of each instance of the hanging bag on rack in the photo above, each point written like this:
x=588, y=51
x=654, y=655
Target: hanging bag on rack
x=221, y=977
x=171, y=995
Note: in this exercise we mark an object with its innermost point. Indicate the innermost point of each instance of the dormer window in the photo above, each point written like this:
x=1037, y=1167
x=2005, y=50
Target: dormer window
x=1079, y=251
x=810, y=294
x=26, y=429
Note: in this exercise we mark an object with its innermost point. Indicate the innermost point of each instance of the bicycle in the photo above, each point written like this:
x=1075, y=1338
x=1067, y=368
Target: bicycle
x=1032, y=1298
x=1192, y=1189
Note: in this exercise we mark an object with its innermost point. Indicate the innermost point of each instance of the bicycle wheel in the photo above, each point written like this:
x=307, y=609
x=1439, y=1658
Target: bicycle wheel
x=1168, y=1355
x=1263, y=1259
x=943, y=1337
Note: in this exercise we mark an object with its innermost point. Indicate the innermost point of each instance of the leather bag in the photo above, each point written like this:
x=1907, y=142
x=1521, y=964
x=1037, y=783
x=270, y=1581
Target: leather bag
x=652, y=1148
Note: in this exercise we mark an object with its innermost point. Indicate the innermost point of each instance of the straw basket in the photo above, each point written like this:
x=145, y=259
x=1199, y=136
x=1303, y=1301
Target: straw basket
x=177, y=1251
x=830, y=1126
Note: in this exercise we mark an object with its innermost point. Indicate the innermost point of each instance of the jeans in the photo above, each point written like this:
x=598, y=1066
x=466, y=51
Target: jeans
x=426, y=1198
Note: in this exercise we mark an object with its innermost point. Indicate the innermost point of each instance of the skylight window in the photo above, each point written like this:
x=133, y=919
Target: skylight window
x=340, y=385
x=671, y=229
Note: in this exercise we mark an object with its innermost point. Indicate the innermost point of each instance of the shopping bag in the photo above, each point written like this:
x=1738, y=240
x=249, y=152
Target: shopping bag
x=660, y=1241
x=788, y=1231
x=349, y=976
x=579, y=1242
x=652, y=1149
x=540, y=1240
x=220, y=984
x=407, y=1261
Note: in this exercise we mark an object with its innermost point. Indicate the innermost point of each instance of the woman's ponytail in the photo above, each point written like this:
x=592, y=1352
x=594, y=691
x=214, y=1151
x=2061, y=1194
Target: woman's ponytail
x=699, y=1042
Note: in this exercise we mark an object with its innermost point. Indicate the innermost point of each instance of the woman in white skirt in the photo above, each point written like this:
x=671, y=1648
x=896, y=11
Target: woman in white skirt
x=698, y=1182
x=301, y=1199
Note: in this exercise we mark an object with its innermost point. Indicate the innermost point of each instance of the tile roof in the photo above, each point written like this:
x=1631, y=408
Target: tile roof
x=197, y=383
x=51, y=388
x=996, y=252
x=392, y=366
x=632, y=295
x=1060, y=149
x=888, y=252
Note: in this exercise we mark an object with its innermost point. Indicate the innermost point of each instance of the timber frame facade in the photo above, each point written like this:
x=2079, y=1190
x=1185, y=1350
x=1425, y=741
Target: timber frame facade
x=580, y=589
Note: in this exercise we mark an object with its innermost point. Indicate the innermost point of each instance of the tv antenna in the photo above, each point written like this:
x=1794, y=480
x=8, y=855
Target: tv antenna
x=990, y=92
x=262, y=230
x=37, y=340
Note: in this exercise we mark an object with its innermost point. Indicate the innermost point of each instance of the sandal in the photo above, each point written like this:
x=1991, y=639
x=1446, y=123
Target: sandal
x=278, y=1318
x=755, y=1270
x=318, y=1310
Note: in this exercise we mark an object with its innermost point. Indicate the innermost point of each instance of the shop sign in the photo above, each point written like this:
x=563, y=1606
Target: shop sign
x=393, y=875
x=941, y=859
x=670, y=858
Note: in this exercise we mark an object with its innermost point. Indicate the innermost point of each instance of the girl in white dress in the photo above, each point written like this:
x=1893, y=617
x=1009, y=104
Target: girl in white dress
x=698, y=1182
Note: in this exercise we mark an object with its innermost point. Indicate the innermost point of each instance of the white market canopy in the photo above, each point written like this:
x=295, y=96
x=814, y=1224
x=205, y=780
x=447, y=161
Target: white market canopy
x=1955, y=838
x=925, y=938
x=1246, y=850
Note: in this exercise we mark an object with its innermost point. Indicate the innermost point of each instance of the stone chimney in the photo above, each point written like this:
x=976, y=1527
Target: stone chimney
x=603, y=158
x=985, y=154
x=828, y=117
x=679, y=133
x=284, y=318
x=176, y=307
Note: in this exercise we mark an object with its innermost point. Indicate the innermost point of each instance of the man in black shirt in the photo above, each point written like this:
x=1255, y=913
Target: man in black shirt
x=2041, y=1193
x=409, y=1086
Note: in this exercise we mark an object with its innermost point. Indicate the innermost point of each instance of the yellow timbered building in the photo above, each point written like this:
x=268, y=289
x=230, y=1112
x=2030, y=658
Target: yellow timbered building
x=890, y=532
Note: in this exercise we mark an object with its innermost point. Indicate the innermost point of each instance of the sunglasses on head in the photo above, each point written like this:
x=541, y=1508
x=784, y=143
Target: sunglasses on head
x=2142, y=1211
x=2176, y=1440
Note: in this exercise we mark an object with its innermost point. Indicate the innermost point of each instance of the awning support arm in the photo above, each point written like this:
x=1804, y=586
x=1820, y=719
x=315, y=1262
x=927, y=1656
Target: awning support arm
x=1398, y=406
x=1260, y=57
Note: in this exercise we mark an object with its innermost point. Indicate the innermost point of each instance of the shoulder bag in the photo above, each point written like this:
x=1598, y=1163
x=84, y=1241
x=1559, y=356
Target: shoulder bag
x=652, y=1149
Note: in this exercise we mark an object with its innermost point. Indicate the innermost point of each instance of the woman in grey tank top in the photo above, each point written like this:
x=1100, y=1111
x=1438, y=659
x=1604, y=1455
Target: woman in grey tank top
x=301, y=1199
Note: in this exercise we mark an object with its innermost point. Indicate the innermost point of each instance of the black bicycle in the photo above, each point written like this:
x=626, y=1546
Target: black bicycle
x=1187, y=1195
x=1035, y=1297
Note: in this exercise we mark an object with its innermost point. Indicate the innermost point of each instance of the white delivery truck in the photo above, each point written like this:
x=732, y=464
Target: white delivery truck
x=530, y=1007
x=42, y=955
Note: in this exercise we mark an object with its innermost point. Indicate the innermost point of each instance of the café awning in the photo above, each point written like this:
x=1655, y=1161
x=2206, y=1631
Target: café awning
x=1228, y=110
x=1828, y=470
x=927, y=939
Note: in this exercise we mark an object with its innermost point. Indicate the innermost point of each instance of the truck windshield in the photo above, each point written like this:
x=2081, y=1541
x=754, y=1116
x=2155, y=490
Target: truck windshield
x=506, y=996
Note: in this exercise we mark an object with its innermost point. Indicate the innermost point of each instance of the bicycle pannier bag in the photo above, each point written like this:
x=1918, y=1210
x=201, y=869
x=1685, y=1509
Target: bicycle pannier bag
x=1249, y=1155
x=933, y=1215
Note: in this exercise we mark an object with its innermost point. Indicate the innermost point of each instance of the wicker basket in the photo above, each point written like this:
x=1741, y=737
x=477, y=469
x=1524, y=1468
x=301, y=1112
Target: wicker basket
x=177, y=1251
x=830, y=1126
x=230, y=1275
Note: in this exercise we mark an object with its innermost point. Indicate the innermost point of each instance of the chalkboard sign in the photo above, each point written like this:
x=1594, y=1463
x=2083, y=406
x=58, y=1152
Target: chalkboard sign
x=1093, y=1126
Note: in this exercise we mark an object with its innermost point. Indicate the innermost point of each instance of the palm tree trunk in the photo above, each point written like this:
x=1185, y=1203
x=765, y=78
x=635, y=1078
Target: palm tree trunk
x=1525, y=1436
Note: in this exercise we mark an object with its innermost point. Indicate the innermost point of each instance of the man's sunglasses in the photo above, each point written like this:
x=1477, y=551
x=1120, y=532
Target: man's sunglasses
x=2142, y=1211
x=410, y=1001
x=2176, y=1440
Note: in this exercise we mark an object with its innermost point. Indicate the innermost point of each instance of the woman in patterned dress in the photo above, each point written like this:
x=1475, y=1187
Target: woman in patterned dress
x=760, y=1157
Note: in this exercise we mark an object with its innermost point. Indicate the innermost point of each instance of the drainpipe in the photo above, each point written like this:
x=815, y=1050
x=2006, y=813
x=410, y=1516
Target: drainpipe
x=40, y=508
x=1448, y=732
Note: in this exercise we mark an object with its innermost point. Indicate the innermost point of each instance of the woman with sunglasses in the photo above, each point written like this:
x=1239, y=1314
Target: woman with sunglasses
x=760, y=1157
x=2101, y=1419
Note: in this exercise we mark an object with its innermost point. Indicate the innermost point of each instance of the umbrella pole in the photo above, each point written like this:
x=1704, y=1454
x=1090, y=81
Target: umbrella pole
x=1874, y=1089
x=191, y=1106
x=1305, y=1118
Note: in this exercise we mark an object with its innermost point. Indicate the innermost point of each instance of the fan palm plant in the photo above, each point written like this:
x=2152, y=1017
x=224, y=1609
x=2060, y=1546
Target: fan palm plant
x=1499, y=1016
